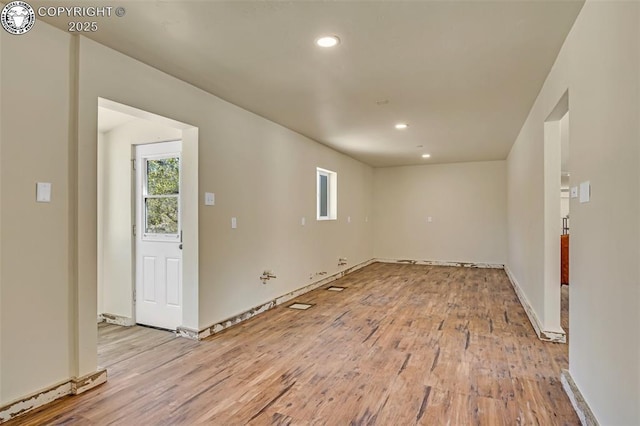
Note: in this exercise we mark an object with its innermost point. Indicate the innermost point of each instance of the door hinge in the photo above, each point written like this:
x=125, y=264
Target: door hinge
x=133, y=163
x=134, y=230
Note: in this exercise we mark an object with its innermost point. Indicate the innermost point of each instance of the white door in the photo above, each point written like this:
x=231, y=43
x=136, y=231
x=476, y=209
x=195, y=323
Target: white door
x=158, y=235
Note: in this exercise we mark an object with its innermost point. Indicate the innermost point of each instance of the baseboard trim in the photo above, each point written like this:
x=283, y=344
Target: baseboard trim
x=586, y=416
x=116, y=319
x=73, y=386
x=87, y=382
x=243, y=316
x=443, y=263
x=547, y=336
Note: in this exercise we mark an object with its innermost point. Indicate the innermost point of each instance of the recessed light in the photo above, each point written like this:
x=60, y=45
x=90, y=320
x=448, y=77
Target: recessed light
x=426, y=155
x=328, y=41
x=401, y=126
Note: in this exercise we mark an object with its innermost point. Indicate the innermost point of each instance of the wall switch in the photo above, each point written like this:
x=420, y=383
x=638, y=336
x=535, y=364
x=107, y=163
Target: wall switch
x=209, y=199
x=234, y=223
x=429, y=219
x=585, y=192
x=43, y=192
x=303, y=221
x=574, y=192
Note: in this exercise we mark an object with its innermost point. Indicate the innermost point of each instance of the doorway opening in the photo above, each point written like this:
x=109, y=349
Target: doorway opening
x=556, y=220
x=139, y=244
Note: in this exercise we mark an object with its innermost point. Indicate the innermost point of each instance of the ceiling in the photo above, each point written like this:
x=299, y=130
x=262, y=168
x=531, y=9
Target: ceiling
x=463, y=75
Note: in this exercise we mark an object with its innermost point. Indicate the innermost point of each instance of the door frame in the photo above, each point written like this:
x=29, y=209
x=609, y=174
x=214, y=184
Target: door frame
x=189, y=211
x=552, y=225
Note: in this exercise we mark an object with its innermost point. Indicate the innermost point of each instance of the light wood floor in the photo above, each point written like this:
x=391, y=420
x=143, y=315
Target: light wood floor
x=401, y=345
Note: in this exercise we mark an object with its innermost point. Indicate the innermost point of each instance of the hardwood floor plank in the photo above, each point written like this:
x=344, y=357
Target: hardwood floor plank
x=400, y=345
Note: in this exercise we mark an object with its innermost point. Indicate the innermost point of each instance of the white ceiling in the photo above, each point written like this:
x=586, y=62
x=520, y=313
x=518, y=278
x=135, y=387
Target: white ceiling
x=462, y=74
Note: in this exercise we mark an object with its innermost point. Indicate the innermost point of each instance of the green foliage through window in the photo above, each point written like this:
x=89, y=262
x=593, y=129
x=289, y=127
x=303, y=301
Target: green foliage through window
x=163, y=176
x=161, y=200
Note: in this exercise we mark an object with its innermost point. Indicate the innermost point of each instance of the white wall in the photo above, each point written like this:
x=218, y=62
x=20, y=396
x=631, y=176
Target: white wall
x=2, y=136
x=262, y=173
x=101, y=199
x=599, y=65
x=36, y=329
x=1, y=237
x=467, y=203
x=115, y=249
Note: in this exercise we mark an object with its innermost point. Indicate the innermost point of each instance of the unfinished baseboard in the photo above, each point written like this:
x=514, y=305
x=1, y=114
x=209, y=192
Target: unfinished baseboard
x=586, y=416
x=548, y=336
x=89, y=381
x=218, y=327
x=443, y=263
x=116, y=319
x=73, y=386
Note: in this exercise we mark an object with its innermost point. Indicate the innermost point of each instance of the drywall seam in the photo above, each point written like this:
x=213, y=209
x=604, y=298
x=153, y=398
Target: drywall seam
x=547, y=336
x=586, y=416
x=116, y=319
x=73, y=386
x=443, y=263
x=222, y=325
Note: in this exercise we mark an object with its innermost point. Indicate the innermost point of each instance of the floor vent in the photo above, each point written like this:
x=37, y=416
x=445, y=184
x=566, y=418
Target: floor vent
x=300, y=306
x=334, y=288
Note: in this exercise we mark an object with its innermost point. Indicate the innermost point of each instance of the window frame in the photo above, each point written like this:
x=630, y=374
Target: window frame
x=152, y=236
x=332, y=194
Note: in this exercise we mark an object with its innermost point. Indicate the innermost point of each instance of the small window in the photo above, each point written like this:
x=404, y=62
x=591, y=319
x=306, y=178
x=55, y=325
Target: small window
x=161, y=198
x=327, y=191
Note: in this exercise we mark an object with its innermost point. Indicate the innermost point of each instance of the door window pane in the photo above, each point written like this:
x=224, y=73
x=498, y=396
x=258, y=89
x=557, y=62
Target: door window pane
x=163, y=176
x=161, y=215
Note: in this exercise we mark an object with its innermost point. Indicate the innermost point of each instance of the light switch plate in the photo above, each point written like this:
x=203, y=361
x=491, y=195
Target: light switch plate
x=574, y=192
x=43, y=192
x=209, y=199
x=585, y=192
x=234, y=223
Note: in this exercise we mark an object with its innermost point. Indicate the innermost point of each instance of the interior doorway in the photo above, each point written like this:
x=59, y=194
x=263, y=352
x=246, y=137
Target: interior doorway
x=556, y=219
x=130, y=241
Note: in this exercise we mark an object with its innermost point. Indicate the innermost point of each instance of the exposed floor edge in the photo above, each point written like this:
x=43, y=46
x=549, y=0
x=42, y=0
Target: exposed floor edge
x=443, y=263
x=116, y=319
x=586, y=416
x=218, y=327
x=547, y=336
x=82, y=384
x=73, y=386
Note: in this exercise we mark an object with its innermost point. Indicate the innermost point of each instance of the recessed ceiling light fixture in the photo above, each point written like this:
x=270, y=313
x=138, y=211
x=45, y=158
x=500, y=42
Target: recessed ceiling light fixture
x=401, y=126
x=426, y=155
x=328, y=41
